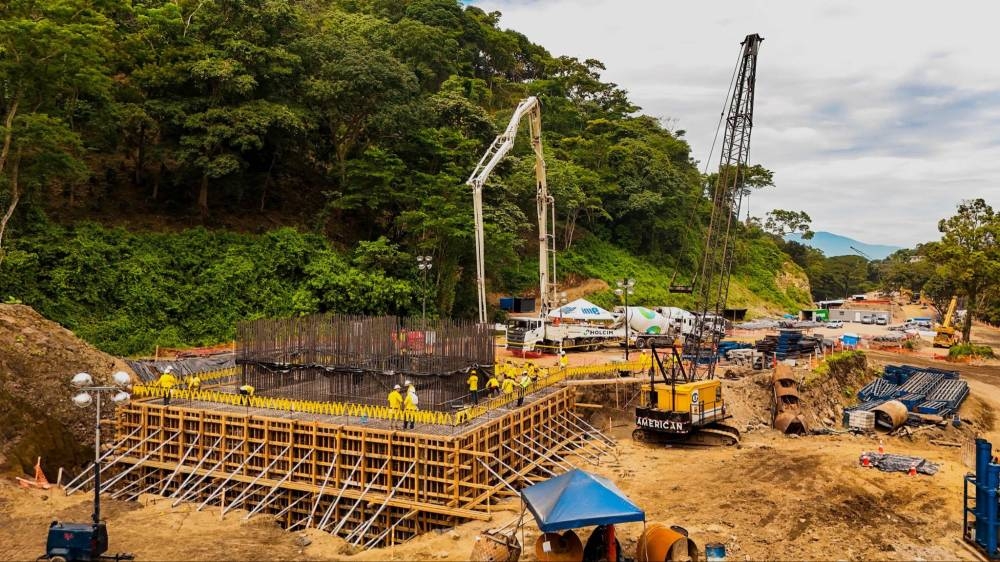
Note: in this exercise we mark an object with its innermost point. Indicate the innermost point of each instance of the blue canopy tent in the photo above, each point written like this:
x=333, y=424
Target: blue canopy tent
x=578, y=499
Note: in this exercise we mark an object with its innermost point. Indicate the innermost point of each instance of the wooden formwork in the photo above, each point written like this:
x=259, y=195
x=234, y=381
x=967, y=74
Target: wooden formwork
x=369, y=485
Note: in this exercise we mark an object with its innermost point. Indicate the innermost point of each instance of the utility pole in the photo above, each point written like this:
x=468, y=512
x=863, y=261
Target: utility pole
x=424, y=264
x=625, y=288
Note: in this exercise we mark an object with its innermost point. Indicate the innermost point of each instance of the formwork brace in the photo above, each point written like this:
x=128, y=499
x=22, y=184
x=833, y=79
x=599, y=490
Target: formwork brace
x=90, y=467
x=362, y=496
x=600, y=435
x=181, y=463
x=132, y=497
x=263, y=502
x=120, y=493
x=107, y=485
x=290, y=506
x=322, y=488
x=193, y=490
x=362, y=529
x=598, y=446
x=90, y=471
x=246, y=491
x=585, y=429
x=372, y=542
x=201, y=461
x=574, y=448
x=230, y=477
x=497, y=476
x=555, y=454
x=347, y=482
x=528, y=459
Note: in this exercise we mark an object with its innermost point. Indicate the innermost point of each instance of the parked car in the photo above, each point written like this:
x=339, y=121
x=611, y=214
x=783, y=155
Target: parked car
x=835, y=324
x=867, y=319
x=881, y=320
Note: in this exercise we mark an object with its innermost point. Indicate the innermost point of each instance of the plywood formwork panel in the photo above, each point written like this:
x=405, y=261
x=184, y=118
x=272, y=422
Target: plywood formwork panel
x=373, y=485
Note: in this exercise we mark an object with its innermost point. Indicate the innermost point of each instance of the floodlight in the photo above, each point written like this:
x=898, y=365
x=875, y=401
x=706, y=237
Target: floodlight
x=82, y=379
x=122, y=379
x=83, y=399
x=121, y=398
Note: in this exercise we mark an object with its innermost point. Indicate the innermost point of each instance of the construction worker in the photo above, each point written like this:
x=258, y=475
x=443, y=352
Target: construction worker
x=473, y=381
x=563, y=360
x=507, y=386
x=493, y=386
x=194, y=383
x=396, y=404
x=167, y=381
x=410, y=404
x=522, y=387
x=246, y=391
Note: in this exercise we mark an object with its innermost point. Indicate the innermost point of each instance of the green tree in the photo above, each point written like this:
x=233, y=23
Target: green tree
x=781, y=222
x=52, y=62
x=968, y=254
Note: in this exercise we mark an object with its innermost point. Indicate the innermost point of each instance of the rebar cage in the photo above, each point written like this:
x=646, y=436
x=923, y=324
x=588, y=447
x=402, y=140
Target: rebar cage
x=358, y=359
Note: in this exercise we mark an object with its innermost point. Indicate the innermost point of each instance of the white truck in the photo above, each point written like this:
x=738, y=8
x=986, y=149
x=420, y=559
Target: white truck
x=547, y=334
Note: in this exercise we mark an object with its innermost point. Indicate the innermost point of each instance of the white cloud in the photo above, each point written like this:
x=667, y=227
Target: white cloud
x=877, y=118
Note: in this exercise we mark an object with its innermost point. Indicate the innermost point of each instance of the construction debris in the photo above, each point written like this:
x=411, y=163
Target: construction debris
x=887, y=462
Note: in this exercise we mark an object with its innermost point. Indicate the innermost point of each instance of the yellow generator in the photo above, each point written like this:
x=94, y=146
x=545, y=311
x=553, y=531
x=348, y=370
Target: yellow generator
x=681, y=411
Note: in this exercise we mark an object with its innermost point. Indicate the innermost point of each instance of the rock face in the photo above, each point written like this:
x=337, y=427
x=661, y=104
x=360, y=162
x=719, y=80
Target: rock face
x=37, y=417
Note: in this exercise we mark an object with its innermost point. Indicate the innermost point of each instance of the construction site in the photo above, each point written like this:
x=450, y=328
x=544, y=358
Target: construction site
x=378, y=437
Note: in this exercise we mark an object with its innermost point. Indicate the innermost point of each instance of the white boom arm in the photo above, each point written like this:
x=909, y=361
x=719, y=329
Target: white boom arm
x=500, y=147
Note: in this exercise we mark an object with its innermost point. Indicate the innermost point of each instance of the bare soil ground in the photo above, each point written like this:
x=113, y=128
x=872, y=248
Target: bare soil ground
x=774, y=497
x=37, y=359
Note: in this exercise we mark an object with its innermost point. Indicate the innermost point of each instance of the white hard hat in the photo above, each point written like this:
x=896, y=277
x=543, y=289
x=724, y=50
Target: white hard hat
x=396, y=387
x=408, y=383
x=169, y=369
x=562, y=352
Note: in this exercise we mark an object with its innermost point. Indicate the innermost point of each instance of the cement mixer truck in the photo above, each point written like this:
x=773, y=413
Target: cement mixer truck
x=648, y=326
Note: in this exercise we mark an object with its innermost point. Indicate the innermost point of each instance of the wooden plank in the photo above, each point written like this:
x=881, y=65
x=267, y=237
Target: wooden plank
x=349, y=494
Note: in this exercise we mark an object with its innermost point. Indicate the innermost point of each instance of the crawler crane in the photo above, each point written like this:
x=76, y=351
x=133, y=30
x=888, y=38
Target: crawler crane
x=685, y=405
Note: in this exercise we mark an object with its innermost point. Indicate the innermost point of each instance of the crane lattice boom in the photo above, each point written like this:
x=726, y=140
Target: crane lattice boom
x=727, y=195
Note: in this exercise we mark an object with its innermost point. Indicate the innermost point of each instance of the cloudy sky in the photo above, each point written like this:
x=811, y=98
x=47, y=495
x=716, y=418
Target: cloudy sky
x=877, y=118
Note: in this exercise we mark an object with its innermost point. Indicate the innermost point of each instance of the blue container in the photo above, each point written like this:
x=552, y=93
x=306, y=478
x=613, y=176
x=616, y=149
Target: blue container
x=715, y=552
x=507, y=303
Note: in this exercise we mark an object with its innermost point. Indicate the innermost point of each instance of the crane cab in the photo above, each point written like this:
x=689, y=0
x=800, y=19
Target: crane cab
x=679, y=408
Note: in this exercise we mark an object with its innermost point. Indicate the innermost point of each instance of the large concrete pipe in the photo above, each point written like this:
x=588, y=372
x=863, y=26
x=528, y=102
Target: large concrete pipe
x=659, y=543
x=891, y=415
x=566, y=547
x=790, y=422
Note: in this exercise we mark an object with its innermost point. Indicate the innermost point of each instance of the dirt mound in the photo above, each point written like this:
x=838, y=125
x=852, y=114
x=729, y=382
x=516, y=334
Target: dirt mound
x=37, y=417
x=833, y=385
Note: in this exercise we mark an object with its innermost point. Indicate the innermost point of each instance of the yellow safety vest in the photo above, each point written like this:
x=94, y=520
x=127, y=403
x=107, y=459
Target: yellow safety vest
x=395, y=400
x=508, y=386
x=473, y=382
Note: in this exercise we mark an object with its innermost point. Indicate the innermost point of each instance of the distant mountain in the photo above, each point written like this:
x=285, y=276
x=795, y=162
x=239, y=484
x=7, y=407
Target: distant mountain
x=836, y=245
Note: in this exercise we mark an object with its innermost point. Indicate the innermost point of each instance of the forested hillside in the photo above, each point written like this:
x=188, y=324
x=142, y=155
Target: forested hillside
x=169, y=167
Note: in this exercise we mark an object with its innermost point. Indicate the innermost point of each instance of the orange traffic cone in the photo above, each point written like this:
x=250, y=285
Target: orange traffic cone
x=913, y=470
x=865, y=461
x=40, y=478
x=881, y=448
